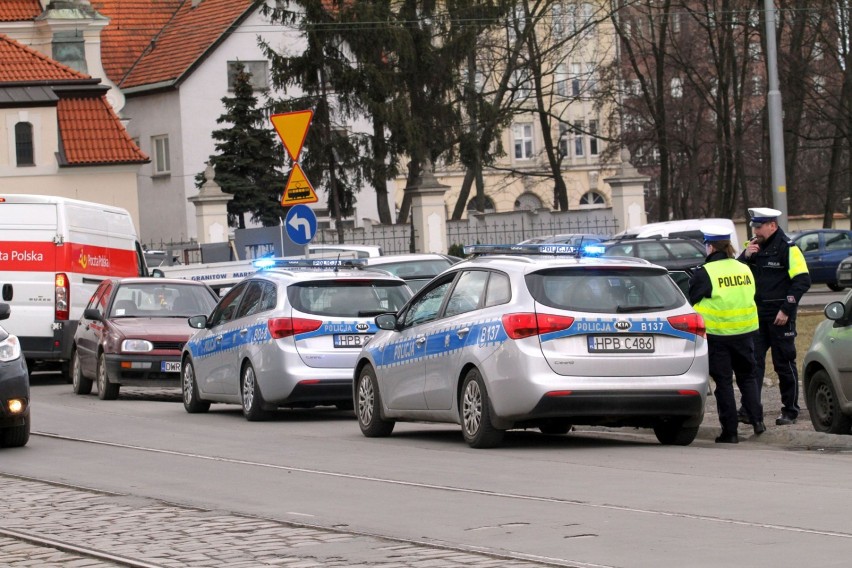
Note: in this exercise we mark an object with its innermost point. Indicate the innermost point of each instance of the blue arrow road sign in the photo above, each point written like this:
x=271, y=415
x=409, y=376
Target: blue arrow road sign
x=301, y=224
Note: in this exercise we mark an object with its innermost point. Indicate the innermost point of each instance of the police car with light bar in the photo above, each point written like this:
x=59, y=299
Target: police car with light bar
x=538, y=336
x=288, y=335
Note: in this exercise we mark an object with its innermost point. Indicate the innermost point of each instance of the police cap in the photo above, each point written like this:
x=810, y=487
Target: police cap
x=715, y=233
x=761, y=215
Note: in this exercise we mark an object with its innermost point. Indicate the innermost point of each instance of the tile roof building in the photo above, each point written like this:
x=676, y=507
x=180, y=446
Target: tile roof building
x=58, y=133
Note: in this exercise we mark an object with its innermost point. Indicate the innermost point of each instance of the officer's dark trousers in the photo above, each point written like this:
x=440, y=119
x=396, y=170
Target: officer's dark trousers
x=781, y=339
x=731, y=355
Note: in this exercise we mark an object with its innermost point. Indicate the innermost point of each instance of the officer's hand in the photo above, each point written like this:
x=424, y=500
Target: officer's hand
x=781, y=318
x=751, y=249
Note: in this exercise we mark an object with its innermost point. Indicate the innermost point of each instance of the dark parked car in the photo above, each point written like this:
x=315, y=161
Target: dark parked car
x=824, y=249
x=14, y=389
x=671, y=253
x=132, y=333
x=416, y=269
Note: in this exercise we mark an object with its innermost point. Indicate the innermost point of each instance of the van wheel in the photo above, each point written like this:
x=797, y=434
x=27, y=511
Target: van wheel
x=252, y=399
x=106, y=389
x=81, y=384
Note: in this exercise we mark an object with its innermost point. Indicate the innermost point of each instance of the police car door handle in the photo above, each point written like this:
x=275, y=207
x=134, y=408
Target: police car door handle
x=462, y=332
x=244, y=331
x=420, y=340
x=218, y=338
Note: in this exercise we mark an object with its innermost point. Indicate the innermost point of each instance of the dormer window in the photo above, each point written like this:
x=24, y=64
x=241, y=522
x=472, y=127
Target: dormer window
x=24, y=149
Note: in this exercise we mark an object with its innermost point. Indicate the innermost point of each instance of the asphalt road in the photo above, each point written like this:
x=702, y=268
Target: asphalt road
x=590, y=498
x=819, y=295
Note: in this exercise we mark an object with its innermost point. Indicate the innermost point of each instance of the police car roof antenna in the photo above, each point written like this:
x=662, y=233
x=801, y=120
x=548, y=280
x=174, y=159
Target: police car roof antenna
x=337, y=264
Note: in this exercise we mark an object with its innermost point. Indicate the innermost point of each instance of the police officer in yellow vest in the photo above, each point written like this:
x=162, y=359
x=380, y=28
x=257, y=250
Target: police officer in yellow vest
x=722, y=291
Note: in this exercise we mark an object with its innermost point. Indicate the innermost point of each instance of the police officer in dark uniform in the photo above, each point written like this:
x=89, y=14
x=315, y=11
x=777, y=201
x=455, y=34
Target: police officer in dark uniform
x=781, y=276
x=722, y=291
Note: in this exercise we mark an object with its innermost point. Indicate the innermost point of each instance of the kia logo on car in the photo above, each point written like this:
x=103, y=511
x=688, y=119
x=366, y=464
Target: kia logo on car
x=622, y=325
x=362, y=326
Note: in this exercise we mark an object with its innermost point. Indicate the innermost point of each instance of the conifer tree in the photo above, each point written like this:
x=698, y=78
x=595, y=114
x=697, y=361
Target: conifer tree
x=248, y=159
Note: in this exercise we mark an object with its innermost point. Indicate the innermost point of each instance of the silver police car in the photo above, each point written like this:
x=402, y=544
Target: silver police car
x=524, y=340
x=287, y=336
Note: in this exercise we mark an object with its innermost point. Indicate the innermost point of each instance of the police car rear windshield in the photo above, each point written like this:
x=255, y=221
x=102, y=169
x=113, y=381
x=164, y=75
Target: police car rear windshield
x=605, y=290
x=343, y=298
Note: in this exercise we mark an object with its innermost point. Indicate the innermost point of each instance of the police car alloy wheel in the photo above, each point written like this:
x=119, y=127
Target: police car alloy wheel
x=252, y=399
x=106, y=389
x=191, y=402
x=476, y=413
x=81, y=384
x=369, y=406
x=824, y=407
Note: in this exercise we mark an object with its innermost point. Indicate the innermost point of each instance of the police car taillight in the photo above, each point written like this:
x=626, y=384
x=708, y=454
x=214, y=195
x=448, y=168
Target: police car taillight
x=285, y=327
x=518, y=326
x=62, y=296
x=690, y=323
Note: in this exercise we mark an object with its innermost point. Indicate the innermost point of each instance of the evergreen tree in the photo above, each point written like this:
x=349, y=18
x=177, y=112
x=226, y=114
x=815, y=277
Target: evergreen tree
x=248, y=159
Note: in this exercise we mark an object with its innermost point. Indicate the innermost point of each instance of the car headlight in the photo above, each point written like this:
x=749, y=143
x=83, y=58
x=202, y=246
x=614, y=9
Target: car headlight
x=846, y=265
x=10, y=349
x=136, y=345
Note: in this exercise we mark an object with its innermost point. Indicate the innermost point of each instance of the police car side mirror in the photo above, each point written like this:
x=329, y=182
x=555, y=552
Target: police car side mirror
x=92, y=314
x=197, y=322
x=157, y=273
x=5, y=311
x=386, y=321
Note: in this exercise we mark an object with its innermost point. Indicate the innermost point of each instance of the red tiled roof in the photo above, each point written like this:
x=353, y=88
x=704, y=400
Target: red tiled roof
x=92, y=133
x=132, y=25
x=17, y=10
x=23, y=64
x=186, y=39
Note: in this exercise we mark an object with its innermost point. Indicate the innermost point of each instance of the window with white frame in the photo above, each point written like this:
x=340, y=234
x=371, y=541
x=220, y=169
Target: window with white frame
x=579, y=144
x=561, y=80
x=558, y=24
x=593, y=138
x=24, y=146
x=521, y=83
x=677, y=87
x=576, y=78
x=162, y=162
x=258, y=70
x=591, y=200
x=523, y=140
x=563, y=139
x=591, y=78
x=757, y=85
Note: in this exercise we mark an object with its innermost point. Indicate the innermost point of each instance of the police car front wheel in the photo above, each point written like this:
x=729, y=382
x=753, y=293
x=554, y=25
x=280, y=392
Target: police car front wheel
x=369, y=403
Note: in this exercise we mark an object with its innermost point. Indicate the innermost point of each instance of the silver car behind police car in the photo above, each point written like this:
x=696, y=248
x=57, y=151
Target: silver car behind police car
x=287, y=336
x=506, y=341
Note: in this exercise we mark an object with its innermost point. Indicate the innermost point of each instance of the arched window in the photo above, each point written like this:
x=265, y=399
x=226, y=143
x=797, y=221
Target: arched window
x=527, y=202
x=487, y=205
x=24, y=150
x=592, y=199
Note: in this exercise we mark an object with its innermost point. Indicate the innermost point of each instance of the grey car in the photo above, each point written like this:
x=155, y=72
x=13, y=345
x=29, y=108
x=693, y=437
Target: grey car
x=517, y=340
x=827, y=370
x=288, y=336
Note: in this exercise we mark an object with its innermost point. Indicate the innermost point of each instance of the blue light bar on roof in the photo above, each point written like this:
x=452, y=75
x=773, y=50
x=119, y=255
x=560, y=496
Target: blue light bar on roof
x=551, y=249
x=331, y=263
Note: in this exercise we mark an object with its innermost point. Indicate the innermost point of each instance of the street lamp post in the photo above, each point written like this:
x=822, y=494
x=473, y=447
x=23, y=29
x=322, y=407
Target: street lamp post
x=776, y=132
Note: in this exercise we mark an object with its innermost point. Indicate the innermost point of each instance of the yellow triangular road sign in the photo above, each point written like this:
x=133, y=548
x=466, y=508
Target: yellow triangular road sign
x=298, y=189
x=292, y=127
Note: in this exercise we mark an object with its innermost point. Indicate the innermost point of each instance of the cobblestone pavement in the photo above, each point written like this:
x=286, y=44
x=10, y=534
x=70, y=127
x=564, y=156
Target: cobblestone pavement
x=163, y=535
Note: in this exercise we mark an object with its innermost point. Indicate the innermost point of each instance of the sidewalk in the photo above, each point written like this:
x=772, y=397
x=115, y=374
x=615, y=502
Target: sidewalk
x=798, y=435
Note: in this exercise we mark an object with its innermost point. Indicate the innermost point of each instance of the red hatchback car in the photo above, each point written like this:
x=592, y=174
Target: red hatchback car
x=132, y=332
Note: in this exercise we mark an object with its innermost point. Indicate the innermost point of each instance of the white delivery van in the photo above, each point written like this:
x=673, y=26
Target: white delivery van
x=684, y=228
x=53, y=254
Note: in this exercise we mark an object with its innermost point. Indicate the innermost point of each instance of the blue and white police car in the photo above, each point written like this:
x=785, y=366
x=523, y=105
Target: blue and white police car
x=520, y=337
x=289, y=335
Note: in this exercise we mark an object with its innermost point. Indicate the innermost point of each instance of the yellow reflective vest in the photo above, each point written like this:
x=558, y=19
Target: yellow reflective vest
x=730, y=310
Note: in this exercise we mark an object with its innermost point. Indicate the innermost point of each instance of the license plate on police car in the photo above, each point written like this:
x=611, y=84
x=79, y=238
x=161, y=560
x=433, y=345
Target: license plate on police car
x=351, y=339
x=170, y=366
x=621, y=343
